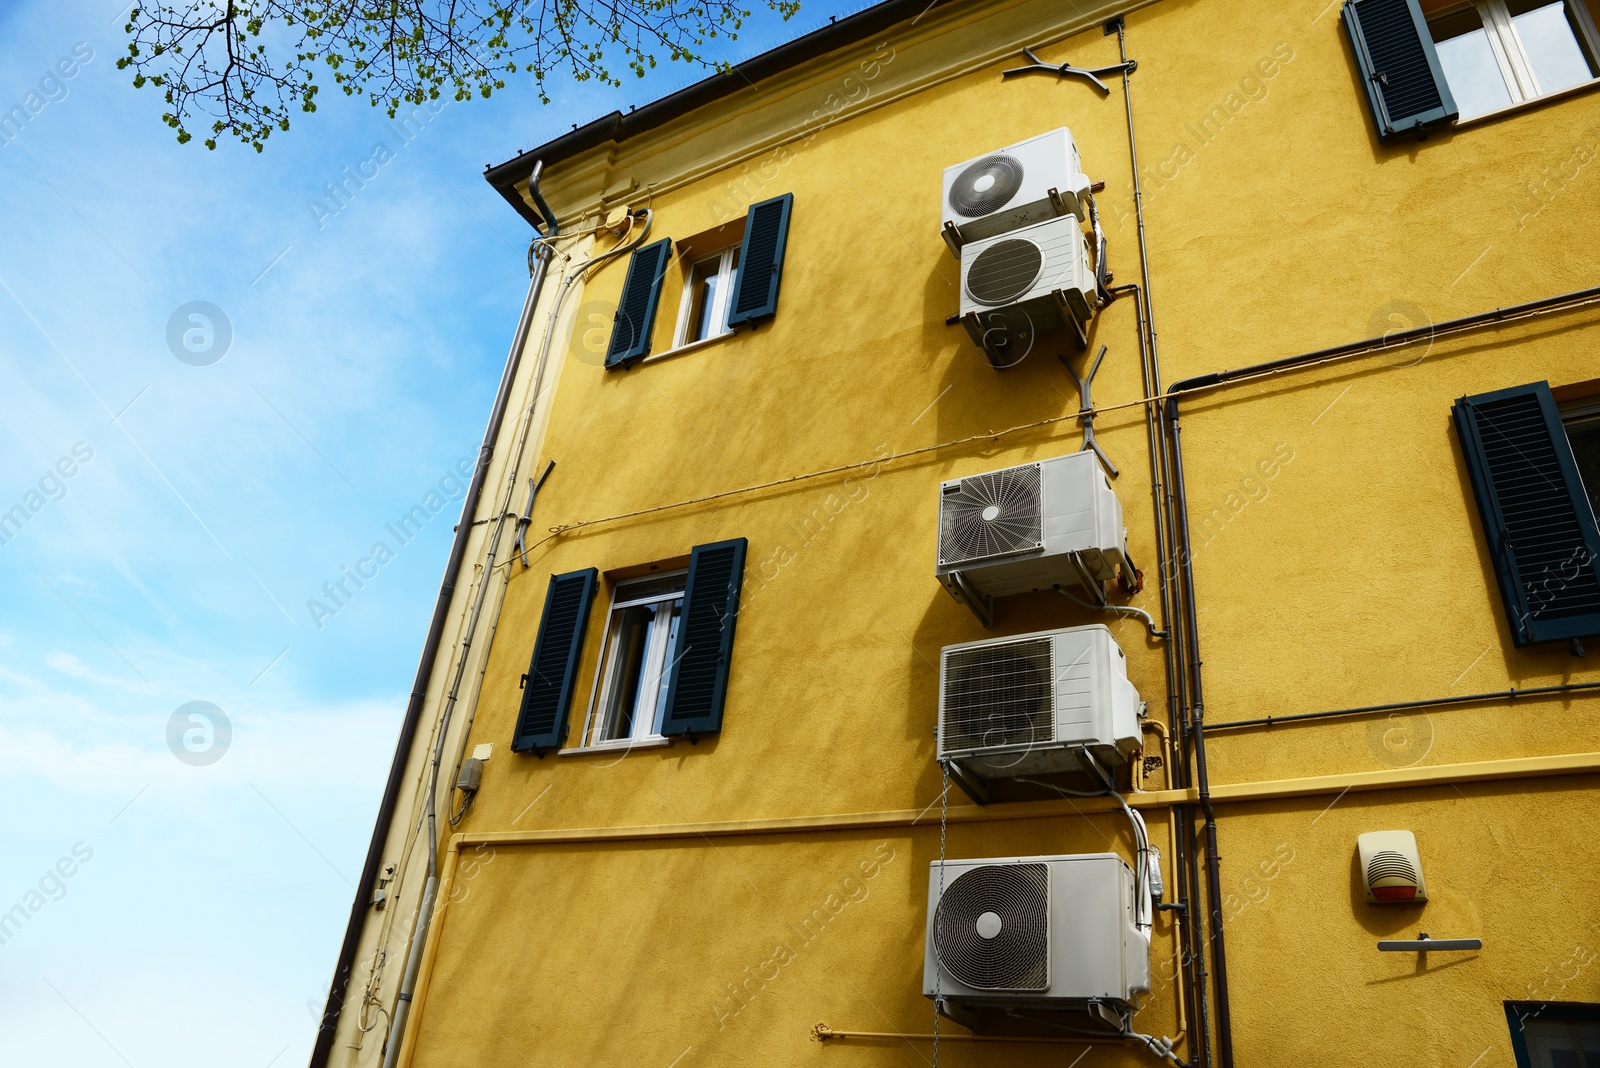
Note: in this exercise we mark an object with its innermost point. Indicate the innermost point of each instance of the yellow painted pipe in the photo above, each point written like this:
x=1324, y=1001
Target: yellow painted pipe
x=824, y=1033
x=408, y=1041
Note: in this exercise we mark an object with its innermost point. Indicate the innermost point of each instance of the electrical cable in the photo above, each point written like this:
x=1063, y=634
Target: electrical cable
x=1149, y=620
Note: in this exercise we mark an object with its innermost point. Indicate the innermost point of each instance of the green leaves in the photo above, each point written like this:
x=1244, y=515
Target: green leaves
x=397, y=52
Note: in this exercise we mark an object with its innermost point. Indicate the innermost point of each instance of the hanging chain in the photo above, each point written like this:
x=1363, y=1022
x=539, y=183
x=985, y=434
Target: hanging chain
x=938, y=969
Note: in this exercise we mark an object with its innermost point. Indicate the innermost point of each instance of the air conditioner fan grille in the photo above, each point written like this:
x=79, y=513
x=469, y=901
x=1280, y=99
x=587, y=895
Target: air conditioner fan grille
x=998, y=695
x=1004, y=272
x=991, y=515
x=991, y=930
x=986, y=186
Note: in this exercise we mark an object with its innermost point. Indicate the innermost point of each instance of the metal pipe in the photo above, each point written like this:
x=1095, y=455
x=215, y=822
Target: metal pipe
x=1432, y=702
x=1186, y=877
x=328, y=1028
x=1219, y=379
x=398, y=1026
x=824, y=1033
x=1197, y=734
x=1560, y=302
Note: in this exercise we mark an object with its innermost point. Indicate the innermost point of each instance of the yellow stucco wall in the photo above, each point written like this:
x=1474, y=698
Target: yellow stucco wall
x=1354, y=573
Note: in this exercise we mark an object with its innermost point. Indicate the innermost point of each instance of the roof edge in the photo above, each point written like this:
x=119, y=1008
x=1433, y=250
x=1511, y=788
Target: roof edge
x=618, y=127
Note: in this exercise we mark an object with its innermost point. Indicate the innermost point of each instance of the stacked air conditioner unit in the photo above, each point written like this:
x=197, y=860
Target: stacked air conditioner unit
x=1020, y=935
x=1021, y=943
x=1042, y=703
x=1014, y=220
x=1055, y=522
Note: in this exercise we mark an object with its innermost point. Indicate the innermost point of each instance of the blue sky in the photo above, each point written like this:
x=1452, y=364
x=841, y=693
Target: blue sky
x=188, y=485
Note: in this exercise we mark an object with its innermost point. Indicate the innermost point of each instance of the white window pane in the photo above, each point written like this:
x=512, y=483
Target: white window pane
x=707, y=326
x=1473, y=73
x=631, y=641
x=1552, y=48
x=702, y=298
x=666, y=667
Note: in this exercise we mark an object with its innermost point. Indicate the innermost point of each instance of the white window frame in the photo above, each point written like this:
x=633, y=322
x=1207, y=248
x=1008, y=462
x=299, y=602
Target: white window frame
x=719, y=304
x=1516, y=69
x=646, y=731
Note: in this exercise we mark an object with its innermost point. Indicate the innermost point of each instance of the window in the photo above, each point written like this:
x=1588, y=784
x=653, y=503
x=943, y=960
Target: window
x=1582, y=422
x=708, y=285
x=1496, y=53
x=1546, y=1035
x=630, y=690
x=731, y=277
x=1536, y=507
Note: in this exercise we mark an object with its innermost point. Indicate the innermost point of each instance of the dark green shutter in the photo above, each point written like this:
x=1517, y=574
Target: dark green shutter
x=1536, y=515
x=1398, y=66
x=698, y=678
x=547, y=687
x=636, y=311
x=766, y=235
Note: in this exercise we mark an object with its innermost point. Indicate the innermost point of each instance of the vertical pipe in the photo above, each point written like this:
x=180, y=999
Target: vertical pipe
x=323, y=1047
x=1186, y=877
x=1197, y=715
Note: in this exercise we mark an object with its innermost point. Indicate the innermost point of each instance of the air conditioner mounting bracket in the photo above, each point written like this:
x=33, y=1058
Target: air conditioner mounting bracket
x=982, y=604
x=970, y=784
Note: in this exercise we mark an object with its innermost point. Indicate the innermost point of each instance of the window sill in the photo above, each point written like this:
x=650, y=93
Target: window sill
x=653, y=741
x=1528, y=105
x=693, y=346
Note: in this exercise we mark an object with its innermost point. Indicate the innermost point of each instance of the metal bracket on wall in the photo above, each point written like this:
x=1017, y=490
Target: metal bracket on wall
x=970, y=784
x=519, y=544
x=1067, y=70
x=1423, y=944
x=982, y=605
x=1086, y=408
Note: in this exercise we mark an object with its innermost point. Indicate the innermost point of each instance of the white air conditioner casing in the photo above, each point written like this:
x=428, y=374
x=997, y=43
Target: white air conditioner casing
x=1054, y=522
x=1039, y=274
x=1028, y=182
x=1034, y=703
x=1035, y=933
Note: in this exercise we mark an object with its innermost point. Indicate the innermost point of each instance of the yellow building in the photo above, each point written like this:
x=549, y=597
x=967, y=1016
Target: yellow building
x=1347, y=410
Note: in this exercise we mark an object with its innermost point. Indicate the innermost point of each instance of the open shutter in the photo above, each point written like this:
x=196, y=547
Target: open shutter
x=1536, y=515
x=699, y=674
x=636, y=311
x=1398, y=65
x=547, y=687
x=766, y=235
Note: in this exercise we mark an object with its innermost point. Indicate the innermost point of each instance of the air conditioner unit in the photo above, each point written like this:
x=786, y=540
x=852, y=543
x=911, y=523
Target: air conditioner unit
x=1035, y=703
x=1028, y=182
x=1039, y=275
x=1035, y=934
x=1055, y=522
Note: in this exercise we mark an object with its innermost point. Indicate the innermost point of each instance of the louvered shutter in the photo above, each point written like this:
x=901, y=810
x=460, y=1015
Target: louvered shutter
x=547, y=687
x=1398, y=65
x=1536, y=515
x=636, y=311
x=766, y=235
x=699, y=672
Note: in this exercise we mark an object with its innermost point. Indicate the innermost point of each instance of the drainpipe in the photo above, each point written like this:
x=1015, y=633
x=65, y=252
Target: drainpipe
x=1197, y=736
x=1184, y=869
x=322, y=1050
